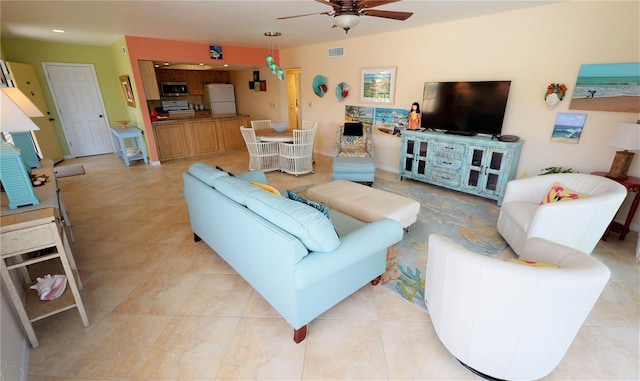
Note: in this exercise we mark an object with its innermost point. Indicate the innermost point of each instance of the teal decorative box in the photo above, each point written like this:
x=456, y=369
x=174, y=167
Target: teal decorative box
x=15, y=179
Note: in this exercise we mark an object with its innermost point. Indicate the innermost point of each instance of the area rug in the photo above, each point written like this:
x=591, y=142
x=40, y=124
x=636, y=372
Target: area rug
x=465, y=219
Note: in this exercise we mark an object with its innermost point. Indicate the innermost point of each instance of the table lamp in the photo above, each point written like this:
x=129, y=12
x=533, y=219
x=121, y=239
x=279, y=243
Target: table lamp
x=626, y=136
x=14, y=172
x=20, y=136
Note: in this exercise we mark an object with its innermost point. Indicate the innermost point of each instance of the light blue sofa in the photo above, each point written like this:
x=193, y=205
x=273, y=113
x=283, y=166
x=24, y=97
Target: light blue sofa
x=286, y=250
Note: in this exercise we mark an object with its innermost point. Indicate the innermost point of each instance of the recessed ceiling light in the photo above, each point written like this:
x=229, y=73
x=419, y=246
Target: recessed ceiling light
x=166, y=64
x=201, y=64
x=58, y=30
x=156, y=65
x=225, y=65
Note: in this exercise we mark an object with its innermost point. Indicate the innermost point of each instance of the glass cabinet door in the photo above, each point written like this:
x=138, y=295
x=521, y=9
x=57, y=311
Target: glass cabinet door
x=415, y=157
x=408, y=155
x=485, y=167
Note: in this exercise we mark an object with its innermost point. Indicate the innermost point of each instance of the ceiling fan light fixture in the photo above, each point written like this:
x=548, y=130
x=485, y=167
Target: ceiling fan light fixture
x=346, y=21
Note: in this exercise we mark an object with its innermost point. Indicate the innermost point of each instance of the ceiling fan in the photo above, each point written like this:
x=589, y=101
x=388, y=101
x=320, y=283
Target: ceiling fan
x=346, y=13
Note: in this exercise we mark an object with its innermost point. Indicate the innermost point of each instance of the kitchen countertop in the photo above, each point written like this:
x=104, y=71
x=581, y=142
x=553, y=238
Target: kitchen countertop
x=200, y=115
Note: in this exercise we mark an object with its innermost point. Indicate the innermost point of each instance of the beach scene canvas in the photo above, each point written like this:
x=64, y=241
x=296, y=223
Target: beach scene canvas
x=568, y=128
x=608, y=87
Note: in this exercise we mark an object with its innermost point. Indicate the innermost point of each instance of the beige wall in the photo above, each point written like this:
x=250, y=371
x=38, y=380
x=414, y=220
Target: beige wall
x=532, y=48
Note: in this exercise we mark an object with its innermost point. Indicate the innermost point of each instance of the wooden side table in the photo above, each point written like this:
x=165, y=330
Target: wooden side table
x=633, y=185
x=119, y=134
x=39, y=228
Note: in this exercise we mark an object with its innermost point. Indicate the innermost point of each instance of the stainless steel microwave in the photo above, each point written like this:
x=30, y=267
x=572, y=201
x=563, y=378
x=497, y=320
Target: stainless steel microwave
x=174, y=89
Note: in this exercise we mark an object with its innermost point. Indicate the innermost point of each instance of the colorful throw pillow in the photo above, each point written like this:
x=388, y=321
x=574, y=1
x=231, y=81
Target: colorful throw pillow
x=354, y=143
x=532, y=263
x=293, y=196
x=266, y=187
x=559, y=192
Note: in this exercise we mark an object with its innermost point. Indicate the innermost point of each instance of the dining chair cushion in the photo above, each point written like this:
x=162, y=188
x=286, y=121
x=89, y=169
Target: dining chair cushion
x=206, y=173
x=310, y=226
x=235, y=189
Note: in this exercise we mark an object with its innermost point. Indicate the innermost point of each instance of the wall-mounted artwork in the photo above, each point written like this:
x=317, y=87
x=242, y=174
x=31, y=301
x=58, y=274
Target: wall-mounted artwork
x=215, y=52
x=360, y=114
x=568, y=127
x=390, y=121
x=378, y=85
x=608, y=87
x=126, y=90
x=259, y=86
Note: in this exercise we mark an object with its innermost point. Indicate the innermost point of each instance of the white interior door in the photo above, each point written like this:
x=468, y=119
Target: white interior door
x=76, y=94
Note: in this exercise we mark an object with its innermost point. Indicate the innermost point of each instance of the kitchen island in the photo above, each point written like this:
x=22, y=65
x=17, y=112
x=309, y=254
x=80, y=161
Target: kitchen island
x=179, y=137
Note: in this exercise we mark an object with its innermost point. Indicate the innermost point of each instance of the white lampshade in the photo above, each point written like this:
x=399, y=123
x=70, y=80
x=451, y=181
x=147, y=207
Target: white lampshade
x=346, y=22
x=626, y=136
x=15, y=111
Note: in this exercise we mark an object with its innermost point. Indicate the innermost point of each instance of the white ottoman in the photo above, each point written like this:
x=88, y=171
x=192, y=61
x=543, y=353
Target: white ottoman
x=365, y=203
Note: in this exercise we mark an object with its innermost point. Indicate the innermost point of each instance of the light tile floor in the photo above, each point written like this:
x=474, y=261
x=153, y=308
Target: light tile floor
x=162, y=307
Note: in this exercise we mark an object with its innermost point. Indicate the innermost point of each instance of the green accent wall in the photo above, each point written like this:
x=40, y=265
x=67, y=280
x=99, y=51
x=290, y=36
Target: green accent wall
x=108, y=61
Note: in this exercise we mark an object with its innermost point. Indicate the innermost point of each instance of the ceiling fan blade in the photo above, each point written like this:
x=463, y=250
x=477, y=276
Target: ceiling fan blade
x=387, y=14
x=368, y=4
x=333, y=5
x=308, y=14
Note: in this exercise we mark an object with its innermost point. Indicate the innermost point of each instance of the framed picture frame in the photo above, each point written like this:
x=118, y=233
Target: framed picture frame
x=125, y=83
x=378, y=85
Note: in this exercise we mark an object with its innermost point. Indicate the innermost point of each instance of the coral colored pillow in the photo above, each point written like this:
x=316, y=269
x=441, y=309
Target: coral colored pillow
x=531, y=263
x=559, y=192
x=266, y=187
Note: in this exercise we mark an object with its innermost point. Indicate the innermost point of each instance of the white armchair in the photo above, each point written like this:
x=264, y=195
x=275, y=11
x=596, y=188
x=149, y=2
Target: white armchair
x=577, y=223
x=507, y=320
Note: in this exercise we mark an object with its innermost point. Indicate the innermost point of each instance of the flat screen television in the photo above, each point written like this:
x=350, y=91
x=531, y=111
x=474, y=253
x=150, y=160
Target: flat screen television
x=465, y=108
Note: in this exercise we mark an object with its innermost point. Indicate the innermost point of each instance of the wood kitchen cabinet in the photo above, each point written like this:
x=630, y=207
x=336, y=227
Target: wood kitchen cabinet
x=194, y=81
x=204, y=137
x=196, y=137
x=230, y=133
x=171, y=75
x=149, y=80
x=172, y=141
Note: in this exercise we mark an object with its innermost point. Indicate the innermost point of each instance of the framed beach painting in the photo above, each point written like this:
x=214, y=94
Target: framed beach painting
x=389, y=121
x=608, y=87
x=378, y=85
x=568, y=127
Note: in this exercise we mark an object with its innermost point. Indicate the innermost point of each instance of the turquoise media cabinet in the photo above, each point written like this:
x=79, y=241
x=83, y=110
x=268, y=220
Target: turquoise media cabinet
x=472, y=164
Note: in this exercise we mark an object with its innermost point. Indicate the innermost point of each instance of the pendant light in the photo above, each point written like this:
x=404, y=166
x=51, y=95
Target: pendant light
x=271, y=49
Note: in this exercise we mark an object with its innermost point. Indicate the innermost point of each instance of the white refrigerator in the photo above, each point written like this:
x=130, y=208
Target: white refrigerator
x=220, y=98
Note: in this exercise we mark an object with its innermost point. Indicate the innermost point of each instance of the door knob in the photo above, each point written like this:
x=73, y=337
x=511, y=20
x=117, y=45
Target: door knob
x=100, y=116
x=51, y=119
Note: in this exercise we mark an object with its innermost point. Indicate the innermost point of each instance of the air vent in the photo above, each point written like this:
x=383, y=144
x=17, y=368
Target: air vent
x=336, y=52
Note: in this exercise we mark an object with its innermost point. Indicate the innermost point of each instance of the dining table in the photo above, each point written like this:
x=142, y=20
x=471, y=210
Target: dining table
x=271, y=135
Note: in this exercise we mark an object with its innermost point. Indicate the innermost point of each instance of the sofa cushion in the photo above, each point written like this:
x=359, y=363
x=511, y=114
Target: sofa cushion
x=310, y=226
x=295, y=197
x=235, y=189
x=206, y=173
